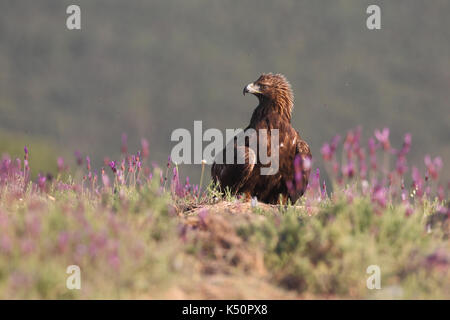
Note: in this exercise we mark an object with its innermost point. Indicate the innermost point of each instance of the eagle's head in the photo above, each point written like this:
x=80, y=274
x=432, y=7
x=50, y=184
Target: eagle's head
x=273, y=89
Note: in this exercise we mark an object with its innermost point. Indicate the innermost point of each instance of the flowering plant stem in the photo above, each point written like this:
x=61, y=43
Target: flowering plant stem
x=201, y=182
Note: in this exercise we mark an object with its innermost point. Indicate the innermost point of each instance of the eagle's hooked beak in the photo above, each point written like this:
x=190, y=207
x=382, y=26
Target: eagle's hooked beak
x=251, y=88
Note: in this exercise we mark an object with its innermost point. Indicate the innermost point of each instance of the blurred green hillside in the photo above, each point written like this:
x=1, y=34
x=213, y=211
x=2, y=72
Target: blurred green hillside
x=149, y=67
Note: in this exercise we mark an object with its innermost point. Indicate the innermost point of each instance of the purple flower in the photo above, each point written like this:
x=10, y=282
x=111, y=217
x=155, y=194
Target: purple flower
x=174, y=172
x=334, y=143
x=130, y=165
x=401, y=165
x=25, y=149
x=383, y=138
x=298, y=171
x=417, y=181
x=88, y=163
x=324, y=190
x=379, y=196
x=60, y=162
x=349, y=140
x=5, y=164
x=78, y=158
x=112, y=165
x=406, y=145
x=433, y=166
x=41, y=182
x=177, y=187
x=348, y=170
x=326, y=152
x=145, y=148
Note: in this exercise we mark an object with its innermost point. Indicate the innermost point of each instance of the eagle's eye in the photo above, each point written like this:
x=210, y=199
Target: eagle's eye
x=262, y=86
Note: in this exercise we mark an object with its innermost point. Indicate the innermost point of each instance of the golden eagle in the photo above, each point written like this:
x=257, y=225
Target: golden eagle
x=274, y=111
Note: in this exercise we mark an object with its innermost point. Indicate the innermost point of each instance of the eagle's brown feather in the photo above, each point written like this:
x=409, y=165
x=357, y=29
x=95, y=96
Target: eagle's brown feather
x=273, y=112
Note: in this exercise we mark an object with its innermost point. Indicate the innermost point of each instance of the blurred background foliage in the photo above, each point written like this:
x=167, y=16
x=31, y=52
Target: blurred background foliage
x=148, y=67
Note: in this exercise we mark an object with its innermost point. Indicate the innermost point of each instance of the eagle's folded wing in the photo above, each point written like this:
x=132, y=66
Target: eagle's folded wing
x=235, y=175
